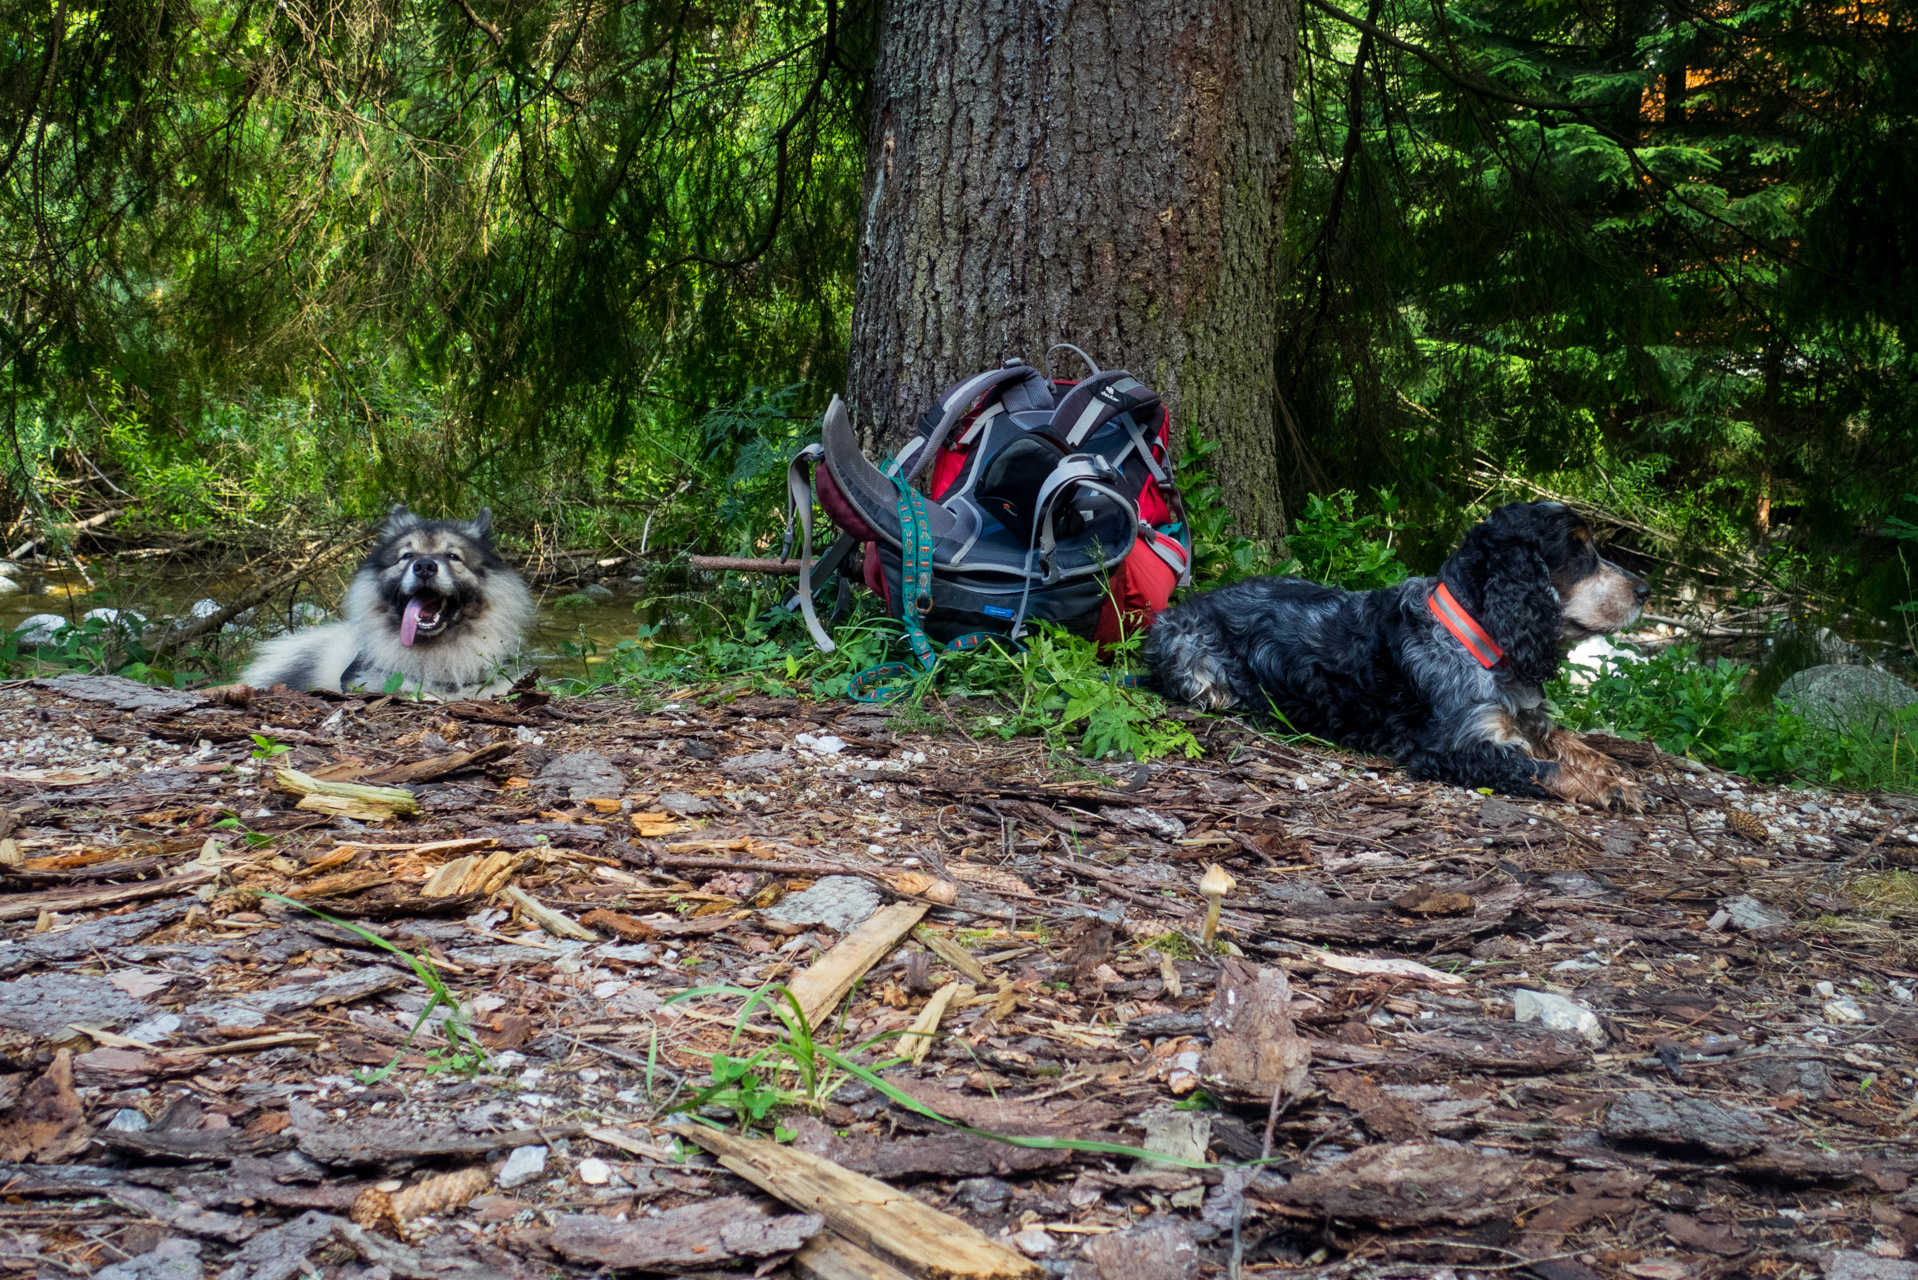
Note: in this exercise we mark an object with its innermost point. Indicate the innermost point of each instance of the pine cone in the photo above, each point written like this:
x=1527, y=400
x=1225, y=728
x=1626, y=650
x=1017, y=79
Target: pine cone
x=1738, y=822
x=373, y=1211
x=444, y=1191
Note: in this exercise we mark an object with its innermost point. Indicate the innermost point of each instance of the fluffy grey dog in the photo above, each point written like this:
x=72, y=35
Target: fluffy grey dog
x=433, y=603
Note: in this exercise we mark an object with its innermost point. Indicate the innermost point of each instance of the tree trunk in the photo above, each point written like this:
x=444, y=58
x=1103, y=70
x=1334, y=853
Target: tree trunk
x=1107, y=174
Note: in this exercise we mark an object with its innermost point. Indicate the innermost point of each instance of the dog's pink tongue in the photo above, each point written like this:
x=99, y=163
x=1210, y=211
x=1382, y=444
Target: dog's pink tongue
x=410, y=623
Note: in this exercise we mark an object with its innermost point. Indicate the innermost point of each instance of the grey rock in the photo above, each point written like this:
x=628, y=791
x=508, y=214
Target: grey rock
x=46, y=1004
x=1856, y=1264
x=121, y=693
x=760, y=763
x=524, y=1165
x=983, y=1195
x=686, y=806
x=40, y=629
x=305, y=613
x=204, y=608
x=840, y=903
x=168, y=1260
x=597, y=591
x=128, y=1120
x=583, y=775
x=1839, y=697
x=1683, y=1122
x=1748, y=913
x=1163, y=825
x=8, y=587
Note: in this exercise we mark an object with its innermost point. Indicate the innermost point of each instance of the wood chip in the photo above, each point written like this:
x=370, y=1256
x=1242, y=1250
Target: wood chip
x=953, y=954
x=904, y=1232
x=820, y=988
x=919, y=1035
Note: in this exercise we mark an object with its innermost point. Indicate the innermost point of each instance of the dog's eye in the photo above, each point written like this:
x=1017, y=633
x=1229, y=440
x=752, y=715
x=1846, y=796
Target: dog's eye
x=454, y=556
x=406, y=555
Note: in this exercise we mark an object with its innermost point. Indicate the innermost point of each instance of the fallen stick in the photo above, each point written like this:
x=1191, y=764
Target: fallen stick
x=744, y=564
x=25, y=905
x=911, y=1236
x=83, y=526
x=193, y=630
x=830, y=977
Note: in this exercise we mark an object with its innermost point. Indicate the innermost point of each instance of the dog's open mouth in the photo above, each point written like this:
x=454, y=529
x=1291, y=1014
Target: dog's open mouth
x=427, y=614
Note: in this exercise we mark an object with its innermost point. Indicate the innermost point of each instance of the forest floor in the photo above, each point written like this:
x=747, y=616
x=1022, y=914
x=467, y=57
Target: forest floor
x=194, y=1068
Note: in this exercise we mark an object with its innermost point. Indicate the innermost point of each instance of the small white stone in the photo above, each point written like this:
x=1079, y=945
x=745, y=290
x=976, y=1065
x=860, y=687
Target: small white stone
x=595, y=1172
x=1825, y=989
x=1843, y=1009
x=1557, y=1013
x=1033, y=1242
x=524, y=1165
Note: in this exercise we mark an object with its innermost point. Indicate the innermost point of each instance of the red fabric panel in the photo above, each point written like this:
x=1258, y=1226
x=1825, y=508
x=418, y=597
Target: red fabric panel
x=873, y=571
x=1136, y=594
x=950, y=463
x=840, y=508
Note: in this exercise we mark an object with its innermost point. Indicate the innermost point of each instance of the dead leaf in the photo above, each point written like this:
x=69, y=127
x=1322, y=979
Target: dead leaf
x=48, y=1123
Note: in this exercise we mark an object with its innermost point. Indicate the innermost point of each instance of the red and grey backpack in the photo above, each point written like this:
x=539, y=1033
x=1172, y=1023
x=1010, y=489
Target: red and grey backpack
x=1045, y=500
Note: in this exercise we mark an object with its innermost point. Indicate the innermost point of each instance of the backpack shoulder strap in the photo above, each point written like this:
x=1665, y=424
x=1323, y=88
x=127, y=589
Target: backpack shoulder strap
x=1096, y=401
x=957, y=400
x=799, y=492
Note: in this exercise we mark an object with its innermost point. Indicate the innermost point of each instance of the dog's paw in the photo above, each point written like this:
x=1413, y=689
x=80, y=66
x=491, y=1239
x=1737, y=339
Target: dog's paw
x=1628, y=797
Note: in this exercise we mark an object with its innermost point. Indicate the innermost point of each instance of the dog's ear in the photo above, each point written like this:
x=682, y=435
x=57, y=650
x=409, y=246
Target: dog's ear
x=482, y=526
x=398, y=520
x=1499, y=574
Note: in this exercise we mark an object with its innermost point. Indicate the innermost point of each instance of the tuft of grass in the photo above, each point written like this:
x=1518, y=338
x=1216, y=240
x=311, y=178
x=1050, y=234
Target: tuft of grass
x=463, y=1055
x=1887, y=892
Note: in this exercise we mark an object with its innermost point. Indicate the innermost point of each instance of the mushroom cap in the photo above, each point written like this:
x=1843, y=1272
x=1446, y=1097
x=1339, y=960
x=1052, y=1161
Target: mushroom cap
x=1216, y=882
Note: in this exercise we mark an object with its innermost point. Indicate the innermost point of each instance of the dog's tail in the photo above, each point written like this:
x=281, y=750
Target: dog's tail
x=314, y=658
x=1188, y=658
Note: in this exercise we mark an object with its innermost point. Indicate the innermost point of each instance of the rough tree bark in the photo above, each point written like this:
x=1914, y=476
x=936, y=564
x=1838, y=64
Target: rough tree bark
x=1108, y=174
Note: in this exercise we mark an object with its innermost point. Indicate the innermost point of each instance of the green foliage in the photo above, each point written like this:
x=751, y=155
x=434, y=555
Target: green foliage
x=1706, y=709
x=265, y=748
x=1219, y=555
x=1643, y=257
x=1059, y=684
x=1332, y=542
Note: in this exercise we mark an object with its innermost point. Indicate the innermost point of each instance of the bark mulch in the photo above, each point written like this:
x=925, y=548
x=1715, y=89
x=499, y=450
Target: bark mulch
x=1439, y=1033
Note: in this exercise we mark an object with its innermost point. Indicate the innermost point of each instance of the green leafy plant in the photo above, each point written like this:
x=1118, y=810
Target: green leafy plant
x=265, y=748
x=1332, y=542
x=463, y=1054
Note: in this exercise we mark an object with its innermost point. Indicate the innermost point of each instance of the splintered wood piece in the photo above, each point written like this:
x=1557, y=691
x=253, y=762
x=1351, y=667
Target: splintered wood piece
x=556, y=923
x=823, y=985
x=953, y=954
x=905, y=1233
x=448, y=878
x=347, y=799
x=828, y=1256
x=919, y=1035
x=491, y=875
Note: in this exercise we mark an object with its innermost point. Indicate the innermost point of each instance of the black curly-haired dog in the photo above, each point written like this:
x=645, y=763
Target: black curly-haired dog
x=1442, y=674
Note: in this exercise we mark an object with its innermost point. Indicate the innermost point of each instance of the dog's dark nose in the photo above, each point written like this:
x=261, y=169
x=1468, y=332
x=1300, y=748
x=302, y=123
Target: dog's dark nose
x=1641, y=591
x=425, y=568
